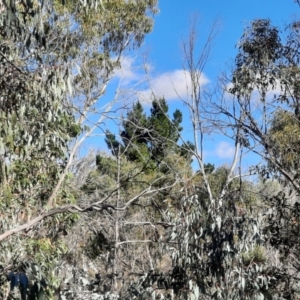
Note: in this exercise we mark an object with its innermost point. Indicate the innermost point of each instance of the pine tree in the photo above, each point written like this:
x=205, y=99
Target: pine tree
x=149, y=139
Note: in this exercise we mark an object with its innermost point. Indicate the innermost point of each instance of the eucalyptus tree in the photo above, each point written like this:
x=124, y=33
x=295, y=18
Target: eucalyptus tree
x=218, y=244
x=56, y=58
x=265, y=110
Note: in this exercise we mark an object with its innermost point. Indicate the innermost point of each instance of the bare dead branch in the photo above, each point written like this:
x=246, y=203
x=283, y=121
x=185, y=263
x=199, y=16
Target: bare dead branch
x=63, y=209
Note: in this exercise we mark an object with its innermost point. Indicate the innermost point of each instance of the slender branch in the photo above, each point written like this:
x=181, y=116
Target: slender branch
x=63, y=209
x=164, y=224
x=12, y=64
x=135, y=241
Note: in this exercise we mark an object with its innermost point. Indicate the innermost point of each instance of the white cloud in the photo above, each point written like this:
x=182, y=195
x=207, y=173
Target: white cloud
x=224, y=150
x=127, y=72
x=172, y=85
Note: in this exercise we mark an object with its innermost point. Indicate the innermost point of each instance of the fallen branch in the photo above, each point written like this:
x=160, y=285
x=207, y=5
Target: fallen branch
x=71, y=208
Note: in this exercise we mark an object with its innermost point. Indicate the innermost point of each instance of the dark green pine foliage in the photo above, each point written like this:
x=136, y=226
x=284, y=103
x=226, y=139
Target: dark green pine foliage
x=149, y=139
x=135, y=135
x=113, y=144
x=163, y=132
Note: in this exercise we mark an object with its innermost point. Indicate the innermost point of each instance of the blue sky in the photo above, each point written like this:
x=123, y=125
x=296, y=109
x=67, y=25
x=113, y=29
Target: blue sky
x=172, y=25
x=164, y=55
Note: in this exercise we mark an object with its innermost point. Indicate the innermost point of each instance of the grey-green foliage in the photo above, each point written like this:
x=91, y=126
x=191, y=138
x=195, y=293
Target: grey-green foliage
x=267, y=68
x=268, y=62
x=42, y=45
x=52, y=53
x=35, y=126
x=221, y=251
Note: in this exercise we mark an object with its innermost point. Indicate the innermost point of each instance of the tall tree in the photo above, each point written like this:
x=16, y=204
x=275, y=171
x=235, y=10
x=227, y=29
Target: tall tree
x=149, y=139
x=218, y=246
x=266, y=112
x=56, y=58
